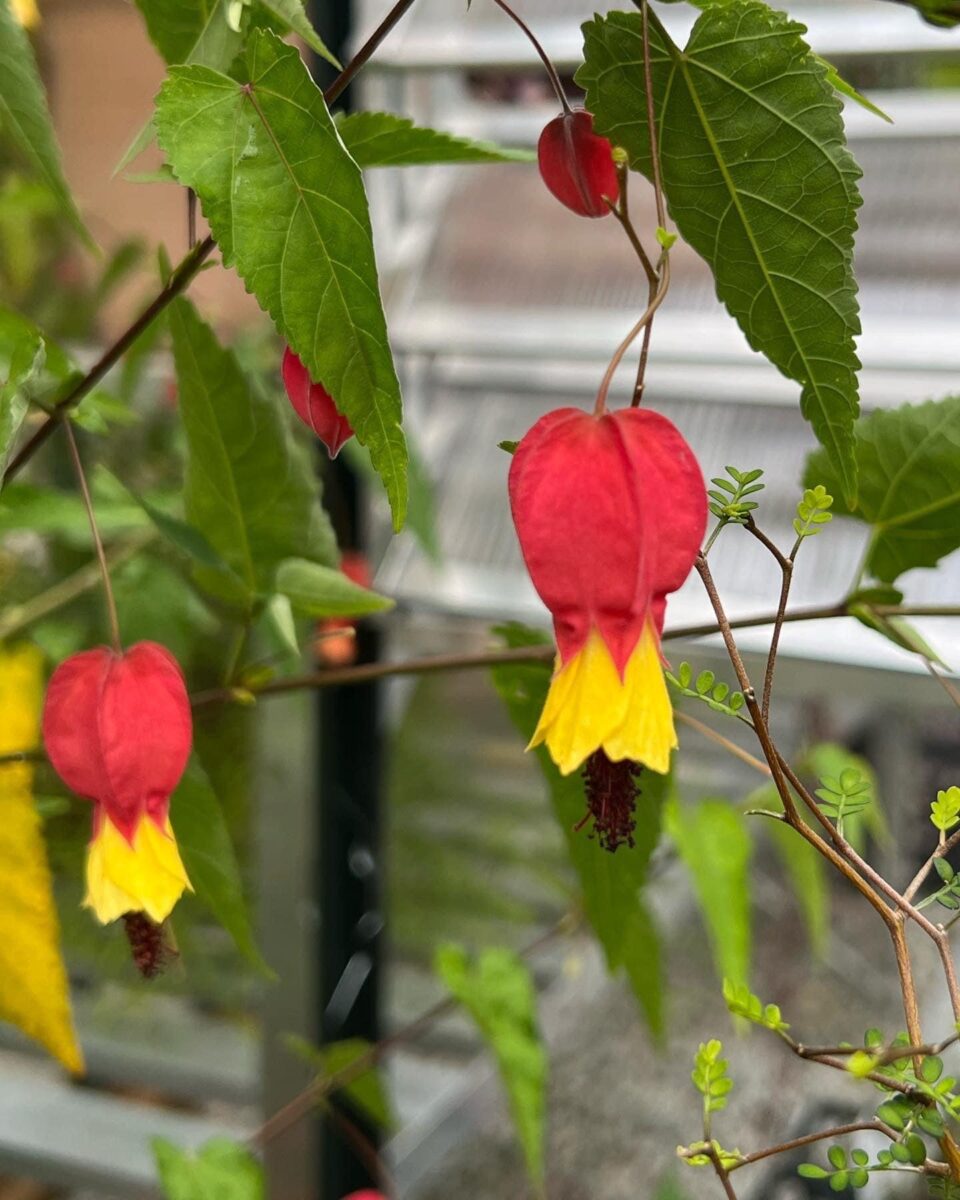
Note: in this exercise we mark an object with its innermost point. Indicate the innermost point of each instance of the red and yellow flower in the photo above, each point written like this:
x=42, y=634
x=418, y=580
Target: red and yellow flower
x=118, y=731
x=610, y=511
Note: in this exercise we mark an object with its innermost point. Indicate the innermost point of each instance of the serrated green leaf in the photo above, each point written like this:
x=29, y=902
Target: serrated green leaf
x=715, y=847
x=497, y=990
x=909, y=464
x=285, y=202
x=220, y=1168
x=248, y=489
x=611, y=883
x=378, y=139
x=25, y=124
x=758, y=180
x=209, y=858
x=839, y=84
x=318, y=591
x=366, y=1093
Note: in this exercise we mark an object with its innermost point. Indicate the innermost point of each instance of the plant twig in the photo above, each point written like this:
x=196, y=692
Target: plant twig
x=809, y=1139
x=728, y=745
x=112, y=618
x=941, y=852
x=304, y=1102
x=541, y=53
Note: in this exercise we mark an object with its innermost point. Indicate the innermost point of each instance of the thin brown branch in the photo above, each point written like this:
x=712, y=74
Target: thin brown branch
x=113, y=620
x=809, y=1139
x=541, y=54
x=941, y=852
x=785, y=563
x=721, y=1171
x=306, y=1101
x=948, y=686
x=362, y=1146
x=728, y=745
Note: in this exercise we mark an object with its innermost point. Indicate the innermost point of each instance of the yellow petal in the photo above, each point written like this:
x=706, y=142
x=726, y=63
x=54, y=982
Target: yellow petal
x=589, y=707
x=27, y=13
x=145, y=877
x=34, y=992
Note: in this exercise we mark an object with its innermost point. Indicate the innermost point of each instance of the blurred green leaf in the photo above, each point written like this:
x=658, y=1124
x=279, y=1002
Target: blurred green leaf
x=209, y=857
x=291, y=17
x=26, y=361
x=25, y=124
x=248, y=489
x=317, y=591
x=716, y=848
x=286, y=204
x=497, y=990
x=611, y=883
x=378, y=139
x=191, y=31
x=219, y=1170
x=909, y=465
x=366, y=1093
x=758, y=180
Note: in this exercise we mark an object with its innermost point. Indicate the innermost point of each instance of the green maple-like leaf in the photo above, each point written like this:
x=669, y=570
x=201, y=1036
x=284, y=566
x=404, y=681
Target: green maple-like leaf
x=909, y=464
x=286, y=203
x=758, y=180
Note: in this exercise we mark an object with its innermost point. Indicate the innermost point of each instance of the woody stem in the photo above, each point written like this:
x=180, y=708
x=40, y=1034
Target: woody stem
x=95, y=533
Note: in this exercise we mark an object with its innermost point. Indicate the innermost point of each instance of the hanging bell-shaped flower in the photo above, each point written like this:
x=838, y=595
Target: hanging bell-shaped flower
x=118, y=730
x=610, y=511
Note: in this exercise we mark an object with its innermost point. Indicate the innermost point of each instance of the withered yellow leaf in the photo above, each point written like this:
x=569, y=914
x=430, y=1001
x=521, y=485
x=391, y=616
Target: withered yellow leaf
x=34, y=993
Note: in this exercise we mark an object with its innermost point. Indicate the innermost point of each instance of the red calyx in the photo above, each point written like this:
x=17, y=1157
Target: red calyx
x=610, y=511
x=118, y=730
x=314, y=405
x=577, y=164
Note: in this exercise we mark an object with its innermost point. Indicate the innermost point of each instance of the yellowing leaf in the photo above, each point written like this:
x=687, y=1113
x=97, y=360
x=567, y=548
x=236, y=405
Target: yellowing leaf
x=34, y=995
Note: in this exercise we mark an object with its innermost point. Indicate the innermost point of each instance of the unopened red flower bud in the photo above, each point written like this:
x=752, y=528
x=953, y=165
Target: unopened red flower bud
x=118, y=731
x=314, y=405
x=577, y=164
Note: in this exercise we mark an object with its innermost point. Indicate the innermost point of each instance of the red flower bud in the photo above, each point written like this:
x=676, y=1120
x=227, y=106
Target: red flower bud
x=314, y=405
x=610, y=511
x=577, y=164
x=118, y=730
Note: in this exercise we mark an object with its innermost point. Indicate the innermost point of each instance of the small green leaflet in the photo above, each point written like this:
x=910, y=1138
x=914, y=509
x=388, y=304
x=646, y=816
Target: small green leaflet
x=209, y=857
x=219, y=1170
x=839, y=84
x=758, y=180
x=285, y=202
x=909, y=466
x=497, y=990
x=716, y=849
x=25, y=363
x=377, y=139
x=611, y=883
x=318, y=591
x=25, y=119
x=249, y=490
x=365, y=1093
